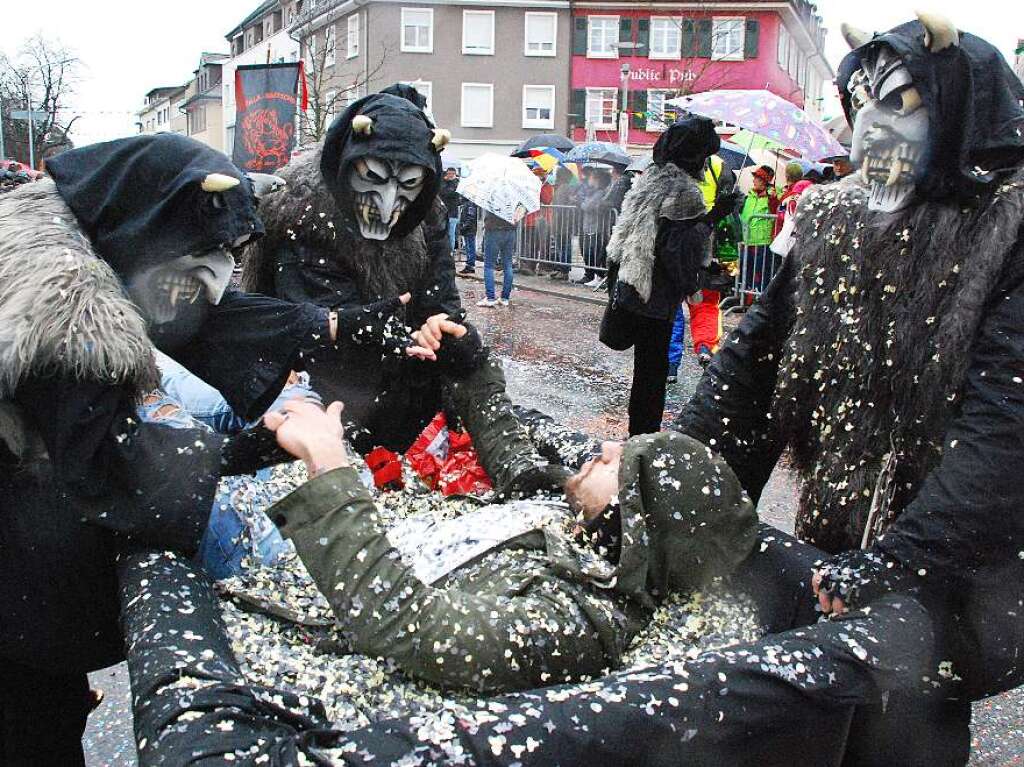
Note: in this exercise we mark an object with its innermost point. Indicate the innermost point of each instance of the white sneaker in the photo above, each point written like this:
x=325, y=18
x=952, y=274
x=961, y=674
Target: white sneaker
x=503, y=301
x=486, y=302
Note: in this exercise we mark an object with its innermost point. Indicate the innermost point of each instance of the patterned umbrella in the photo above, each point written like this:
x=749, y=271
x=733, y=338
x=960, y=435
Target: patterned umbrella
x=767, y=115
x=546, y=157
x=502, y=185
x=599, y=151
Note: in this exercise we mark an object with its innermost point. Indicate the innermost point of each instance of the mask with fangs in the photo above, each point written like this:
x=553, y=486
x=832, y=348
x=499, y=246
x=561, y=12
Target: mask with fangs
x=162, y=291
x=381, y=192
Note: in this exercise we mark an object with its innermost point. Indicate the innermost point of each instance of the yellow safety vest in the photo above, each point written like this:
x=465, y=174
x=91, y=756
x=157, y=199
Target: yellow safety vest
x=709, y=186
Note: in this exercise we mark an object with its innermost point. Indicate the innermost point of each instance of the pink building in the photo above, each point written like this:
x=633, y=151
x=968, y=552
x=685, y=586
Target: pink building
x=667, y=49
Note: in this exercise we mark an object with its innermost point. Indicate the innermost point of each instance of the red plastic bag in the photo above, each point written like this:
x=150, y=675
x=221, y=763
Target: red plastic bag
x=386, y=467
x=447, y=461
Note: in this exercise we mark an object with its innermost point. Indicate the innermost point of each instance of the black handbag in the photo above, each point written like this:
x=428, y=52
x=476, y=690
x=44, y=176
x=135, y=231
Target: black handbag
x=616, y=325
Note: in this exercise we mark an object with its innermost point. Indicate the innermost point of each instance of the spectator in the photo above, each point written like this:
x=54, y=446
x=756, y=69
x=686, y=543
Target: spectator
x=595, y=224
x=564, y=221
x=758, y=223
x=499, y=241
x=450, y=197
x=795, y=186
x=469, y=216
x=535, y=227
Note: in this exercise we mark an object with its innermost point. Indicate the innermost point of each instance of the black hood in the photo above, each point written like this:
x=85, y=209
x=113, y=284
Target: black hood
x=140, y=201
x=687, y=143
x=401, y=132
x=974, y=107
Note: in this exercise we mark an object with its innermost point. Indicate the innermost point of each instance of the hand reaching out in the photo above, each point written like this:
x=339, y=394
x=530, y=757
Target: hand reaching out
x=427, y=340
x=310, y=433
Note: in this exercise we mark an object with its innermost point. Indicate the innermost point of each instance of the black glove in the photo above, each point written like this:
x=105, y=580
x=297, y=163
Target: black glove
x=377, y=324
x=725, y=203
x=460, y=357
x=861, y=576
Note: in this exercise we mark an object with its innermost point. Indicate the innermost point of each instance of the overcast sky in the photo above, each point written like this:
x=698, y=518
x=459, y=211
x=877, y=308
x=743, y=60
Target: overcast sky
x=128, y=48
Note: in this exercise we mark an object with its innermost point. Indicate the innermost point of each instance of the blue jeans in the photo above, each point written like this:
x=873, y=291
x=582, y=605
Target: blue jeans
x=676, y=342
x=453, y=228
x=470, y=240
x=499, y=242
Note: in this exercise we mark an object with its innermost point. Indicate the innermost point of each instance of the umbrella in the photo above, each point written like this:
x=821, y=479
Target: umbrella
x=734, y=156
x=749, y=140
x=502, y=185
x=767, y=115
x=599, y=151
x=640, y=164
x=546, y=157
x=544, y=140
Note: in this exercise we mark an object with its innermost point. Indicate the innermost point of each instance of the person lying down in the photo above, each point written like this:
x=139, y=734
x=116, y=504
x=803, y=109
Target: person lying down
x=549, y=583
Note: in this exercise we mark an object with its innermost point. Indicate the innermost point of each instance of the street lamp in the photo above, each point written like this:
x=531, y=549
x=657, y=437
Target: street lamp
x=624, y=93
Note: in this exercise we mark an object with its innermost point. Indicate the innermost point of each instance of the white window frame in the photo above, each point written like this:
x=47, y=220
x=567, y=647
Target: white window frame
x=657, y=125
x=428, y=93
x=352, y=36
x=716, y=37
x=526, y=33
x=429, y=47
x=782, y=51
x=675, y=22
x=591, y=53
x=615, y=108
x=330, y=46
x=489, y=50
x=548, y=124
x=489, y=123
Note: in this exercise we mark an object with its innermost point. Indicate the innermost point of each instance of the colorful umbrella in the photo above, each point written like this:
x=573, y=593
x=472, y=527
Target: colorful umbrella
x=502, y=185
x=748, y=140
x=545, y=157
x=767, y=115
x=599, y=151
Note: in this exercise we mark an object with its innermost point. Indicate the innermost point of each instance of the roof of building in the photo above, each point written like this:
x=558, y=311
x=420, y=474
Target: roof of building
x=162, y=90
x=262, y=10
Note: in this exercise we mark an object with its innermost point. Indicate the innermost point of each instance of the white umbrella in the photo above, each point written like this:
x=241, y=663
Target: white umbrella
x=502, y=185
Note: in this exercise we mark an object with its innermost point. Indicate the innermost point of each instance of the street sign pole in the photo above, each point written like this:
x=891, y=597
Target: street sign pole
x=3, y=153
x=31, y=131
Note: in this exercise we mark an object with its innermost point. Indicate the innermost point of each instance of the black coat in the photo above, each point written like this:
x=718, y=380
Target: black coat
x=450, y=196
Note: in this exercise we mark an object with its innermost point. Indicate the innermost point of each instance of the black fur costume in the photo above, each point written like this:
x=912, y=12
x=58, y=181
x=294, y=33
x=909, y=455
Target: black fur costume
x=313, y=251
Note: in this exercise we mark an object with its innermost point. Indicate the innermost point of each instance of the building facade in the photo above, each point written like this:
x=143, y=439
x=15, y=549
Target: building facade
x=1018, y=61
x=260, y=38
x=493, y=73
x=202, y=105
x=156, y=113
x=655, y=51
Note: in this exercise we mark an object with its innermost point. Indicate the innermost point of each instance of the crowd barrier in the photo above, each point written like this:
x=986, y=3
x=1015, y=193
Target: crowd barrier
x=756, y=266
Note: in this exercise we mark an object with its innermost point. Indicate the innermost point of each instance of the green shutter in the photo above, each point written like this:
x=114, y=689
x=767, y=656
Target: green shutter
x=750, y=39
x=579, y=107
x=643, y=37
x=705, y=28
x=688, y=45
x=579, y=36
x=626, y=34
x=638, y=108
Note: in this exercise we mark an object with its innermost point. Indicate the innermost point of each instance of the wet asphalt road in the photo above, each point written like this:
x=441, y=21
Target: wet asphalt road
x=555, y=363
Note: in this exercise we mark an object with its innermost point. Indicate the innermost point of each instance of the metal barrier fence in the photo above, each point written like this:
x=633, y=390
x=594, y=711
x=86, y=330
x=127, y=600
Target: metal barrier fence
x=563, y=237
x=756, y=265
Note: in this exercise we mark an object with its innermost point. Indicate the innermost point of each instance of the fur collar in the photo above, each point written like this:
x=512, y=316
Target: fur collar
x=305, y=212
x=62, y=309
x=887, y=310
x=663, y=191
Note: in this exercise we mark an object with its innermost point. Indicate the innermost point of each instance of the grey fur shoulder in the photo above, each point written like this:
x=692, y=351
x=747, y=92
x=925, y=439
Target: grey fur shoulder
x=663, y=191
x=62, y=308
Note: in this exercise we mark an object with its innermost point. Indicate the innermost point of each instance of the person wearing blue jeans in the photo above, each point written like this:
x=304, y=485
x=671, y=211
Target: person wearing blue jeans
x=499, y=241
x=676, y=344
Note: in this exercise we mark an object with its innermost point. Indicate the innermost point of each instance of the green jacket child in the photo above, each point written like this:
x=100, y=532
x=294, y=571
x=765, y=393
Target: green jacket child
x=758, y=214
x=509, y=596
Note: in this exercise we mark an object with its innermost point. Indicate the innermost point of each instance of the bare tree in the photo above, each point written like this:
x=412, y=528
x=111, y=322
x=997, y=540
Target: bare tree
x=43, y=75
x=331, y=83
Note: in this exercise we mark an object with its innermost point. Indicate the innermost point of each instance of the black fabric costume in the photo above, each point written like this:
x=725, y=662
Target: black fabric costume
x=80, y=477
x=314, y=252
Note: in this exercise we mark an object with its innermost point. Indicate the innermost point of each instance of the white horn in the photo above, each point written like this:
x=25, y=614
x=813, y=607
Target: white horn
x=362, y=124
x=441, y=139
x=854, y=37
x=939, y=32
x=219, y=182
x=265, y=183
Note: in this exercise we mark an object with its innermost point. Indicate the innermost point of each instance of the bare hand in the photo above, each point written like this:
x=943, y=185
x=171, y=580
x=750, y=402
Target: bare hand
x=310, y=434
x=829, y=604
x=427, y=340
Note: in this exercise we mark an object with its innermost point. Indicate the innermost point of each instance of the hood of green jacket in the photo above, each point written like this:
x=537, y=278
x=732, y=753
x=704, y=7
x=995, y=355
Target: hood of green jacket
x=685, y=519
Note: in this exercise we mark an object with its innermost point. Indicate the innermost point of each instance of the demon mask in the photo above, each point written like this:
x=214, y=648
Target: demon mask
x=382, y=190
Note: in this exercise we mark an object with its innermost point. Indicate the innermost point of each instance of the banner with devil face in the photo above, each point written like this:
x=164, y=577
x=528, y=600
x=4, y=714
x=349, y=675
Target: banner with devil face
x=265, y=96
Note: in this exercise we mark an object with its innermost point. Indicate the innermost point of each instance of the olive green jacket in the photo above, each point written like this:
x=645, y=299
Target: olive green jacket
x=536, y=609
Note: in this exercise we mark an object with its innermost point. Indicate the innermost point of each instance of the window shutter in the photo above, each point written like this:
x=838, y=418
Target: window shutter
x=626, y=33
x=750, y=39
x=688, y=45
x=579, y=36
x=638, y=109
x=705, y=29
x=579, y=107
x=643, y=37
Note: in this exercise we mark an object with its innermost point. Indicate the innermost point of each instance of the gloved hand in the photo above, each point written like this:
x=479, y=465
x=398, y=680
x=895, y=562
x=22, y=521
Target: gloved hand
x=451, y=342
x=849, y=580
x=377, y=324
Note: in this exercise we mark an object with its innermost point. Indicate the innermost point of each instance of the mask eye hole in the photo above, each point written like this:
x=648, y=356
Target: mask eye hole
x=218, y=201
x=902, y=101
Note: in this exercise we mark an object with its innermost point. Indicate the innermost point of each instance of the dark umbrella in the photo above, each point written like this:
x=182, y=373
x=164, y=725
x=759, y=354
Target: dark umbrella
x=553, y=140
x=599, y=151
